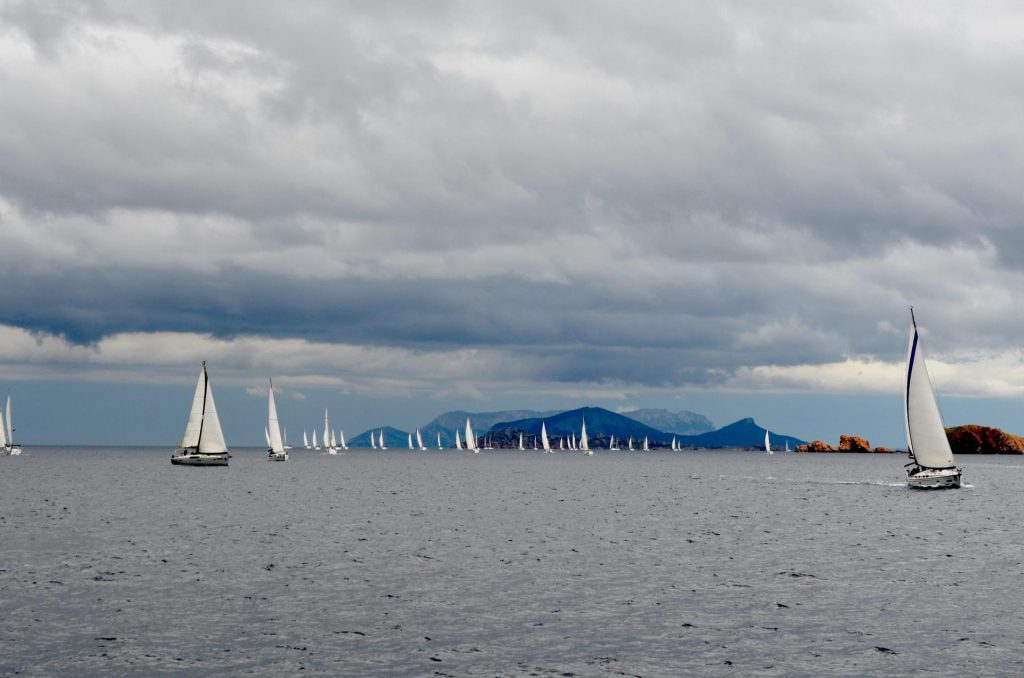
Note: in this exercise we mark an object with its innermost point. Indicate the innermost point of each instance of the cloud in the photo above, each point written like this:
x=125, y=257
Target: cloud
x=594, y=198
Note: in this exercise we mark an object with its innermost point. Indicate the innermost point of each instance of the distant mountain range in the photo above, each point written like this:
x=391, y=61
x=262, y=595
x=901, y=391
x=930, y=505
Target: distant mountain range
x=683, y=422
x=504, y=427
x=600, y=423
x=742, y=433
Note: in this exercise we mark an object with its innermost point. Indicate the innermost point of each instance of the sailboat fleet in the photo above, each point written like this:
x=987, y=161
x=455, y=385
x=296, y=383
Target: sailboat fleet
x=932, y=464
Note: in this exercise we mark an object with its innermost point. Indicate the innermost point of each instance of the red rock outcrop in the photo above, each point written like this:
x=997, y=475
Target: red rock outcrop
x=884, y=450
x=974, y=439
x=853, y=444
x=815, y=446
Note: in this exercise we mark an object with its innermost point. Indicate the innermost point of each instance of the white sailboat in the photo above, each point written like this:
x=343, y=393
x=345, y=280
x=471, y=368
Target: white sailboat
x=767, y=443
x=439, y=445
x=286, y=445
x=584, y=441
x=612, y=446
x=10, y=447
x=787, y=446
x=471, y=438
x=380, y=439
x=521, y=441
x=203, y=443
x=572, y=441
x=458, y=441
x=410, y=440
x=373, y=441
x=647, y=447
x=341, y=439
x=275, y=445
x=544, y=442
x=333, y=447
x=675, y=445
x=419, y=441
x=316, y=445
x=327, y=433
x=630, y=448
x=305, y=440
x=933, y=465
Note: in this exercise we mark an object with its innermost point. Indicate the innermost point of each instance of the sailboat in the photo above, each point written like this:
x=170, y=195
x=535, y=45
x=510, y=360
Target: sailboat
x=458, y=441
x=439, y=446
x=327, y=433
x=471, y=438
x=410, y=440
x=380, y=439
x=419, y=441
x=544, y=442
x=341, y=437
x=9, y=446
x=203, y=443
x=333, y=447
x=674, y=448
x=584, y=442
x=305, y=440
x=612, y=446
x=767, y=443
x=275, y=446
x=316, y=445
x=787, y=446
x=630, y=448
x=647, y=448
x=933, y=465
x=373, y=441
x=521, y=441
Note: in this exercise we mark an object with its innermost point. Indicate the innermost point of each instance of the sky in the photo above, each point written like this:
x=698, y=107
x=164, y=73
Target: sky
x=397, y=209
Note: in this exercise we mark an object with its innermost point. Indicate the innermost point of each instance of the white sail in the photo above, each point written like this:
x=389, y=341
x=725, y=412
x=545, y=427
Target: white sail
x=316, y=445
x=10, y=421
x=274, y=440
x=305, y=440
x=327, y=430
x=926, y=435
x=419, y=440
x=373, y=441
x=630, y=443
x=458, y=441
x=195, y=415
x=341, y=438
x=767, y=442
x=439, y=445
x=611, y=443
x=584, y=442
x=646, y=446
x=3, y=432
x=211, y=437
x=521, y=441
x=470, y=437
x=380, y=439
x=410, y=440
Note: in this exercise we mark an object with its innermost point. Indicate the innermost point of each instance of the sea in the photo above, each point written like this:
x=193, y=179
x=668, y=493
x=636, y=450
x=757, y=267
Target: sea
x=505, y=563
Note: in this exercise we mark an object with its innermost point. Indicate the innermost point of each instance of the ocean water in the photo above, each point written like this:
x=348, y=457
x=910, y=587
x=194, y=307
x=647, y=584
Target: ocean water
x=114, y=562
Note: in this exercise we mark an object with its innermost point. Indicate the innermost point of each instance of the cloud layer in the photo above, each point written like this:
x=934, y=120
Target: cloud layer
x=579, y=195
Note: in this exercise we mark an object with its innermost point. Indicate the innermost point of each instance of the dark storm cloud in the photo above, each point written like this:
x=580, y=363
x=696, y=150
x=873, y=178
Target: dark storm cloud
x=656, y=192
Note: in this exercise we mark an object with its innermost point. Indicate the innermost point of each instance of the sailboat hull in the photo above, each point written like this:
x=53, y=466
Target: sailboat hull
x=13, y=450
x=934, y=479
x=190, y=458
x=277, y=456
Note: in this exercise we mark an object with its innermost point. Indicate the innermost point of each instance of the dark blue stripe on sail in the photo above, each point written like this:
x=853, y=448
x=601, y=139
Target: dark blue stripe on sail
x=910, y=375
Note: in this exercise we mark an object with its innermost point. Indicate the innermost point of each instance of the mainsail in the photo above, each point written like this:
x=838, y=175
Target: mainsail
x=470, y=437
x=273, y=425
x=544, y=437
x=926, y=435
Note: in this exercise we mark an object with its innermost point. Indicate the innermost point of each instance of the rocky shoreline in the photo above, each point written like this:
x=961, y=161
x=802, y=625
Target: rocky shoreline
x=967, y=439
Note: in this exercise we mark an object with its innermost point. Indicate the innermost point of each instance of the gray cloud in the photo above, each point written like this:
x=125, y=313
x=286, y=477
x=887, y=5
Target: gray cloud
x=650, y=193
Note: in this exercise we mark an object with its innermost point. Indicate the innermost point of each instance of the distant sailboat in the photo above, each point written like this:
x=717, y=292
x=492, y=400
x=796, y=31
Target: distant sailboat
x=572, y=441
x=275, y=445
x=545, y=443
x=380, y=439
x=439, y=446
x=9, y=446
x=419, y=441
x=675, y=445
x=611, y=445
x=521, y=441
x=341, y=439
x=630, y=448
x=933, y=465
x=203, y=443
x=333, y=447
x=373, y=441
x=458, y=440
x=584, y=442
x=767, y=443
x=410, y=440
x=647, y=448
x=327, y=434
x=286, y=445
x=305, y=440
x=471, y=443
x=316, y=445
x=787, y=446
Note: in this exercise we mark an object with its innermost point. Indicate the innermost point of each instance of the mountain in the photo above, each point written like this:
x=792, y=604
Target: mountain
x=395, y=438
x=742, y=433
x=601, y=424
x=683, y=422
x=448, y=422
